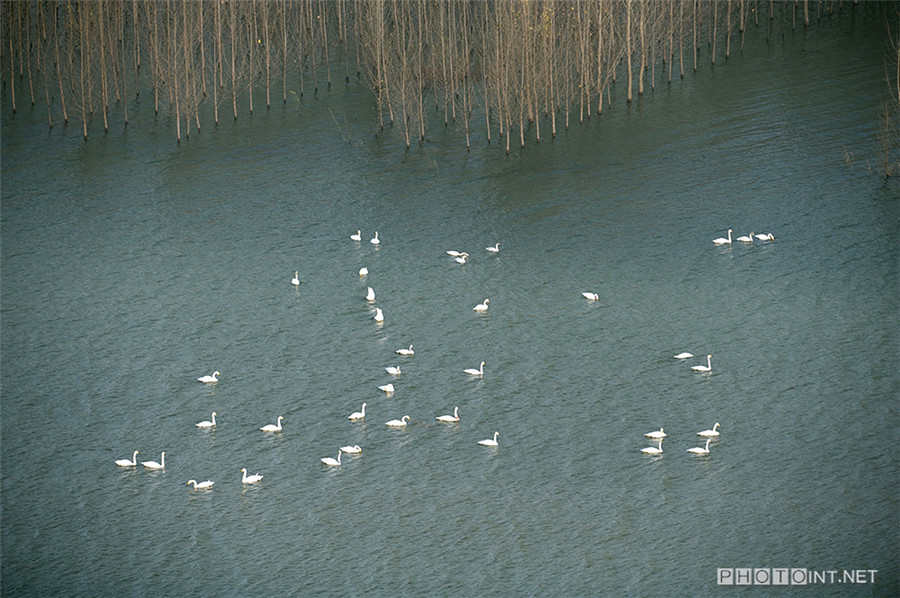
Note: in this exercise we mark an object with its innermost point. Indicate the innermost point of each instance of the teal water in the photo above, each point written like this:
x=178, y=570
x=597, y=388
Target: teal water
x=131, y=266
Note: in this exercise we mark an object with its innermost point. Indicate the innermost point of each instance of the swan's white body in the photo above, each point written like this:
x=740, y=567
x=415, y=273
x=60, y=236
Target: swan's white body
x=462, y=258
x=704, y=368
x=375, y=240
x=209, y=379
x=591, y=296
x=494, y=249
x=454, y=253
x=701, y=450
x=370, y=294
x=358, y=414
x=363, y=271
x=351, y=450
x=154, y=464
x=722, y=240
x=482, y=306
x=273, y=427
x=388, y=388
x=208, y=424
x=249, y=479
x=745, y=238
x=296, y=279
x=766, y=237
x=490, y=441
x=398, y=423
x=357, y=236
x=332, y=462
x=656, y=434
x=408, y=351
x=393, y=370
x=450, y=419
x=652, y=450
x=126, y=462
x=379, y=315
x=201, y=485
x=474, y=372
x=712, y=432
x=684, y=355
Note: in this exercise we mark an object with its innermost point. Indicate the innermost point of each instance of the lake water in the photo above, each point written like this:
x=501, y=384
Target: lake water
x=131, y=266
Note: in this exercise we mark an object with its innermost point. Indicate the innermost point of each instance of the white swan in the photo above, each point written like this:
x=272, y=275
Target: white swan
x=704, y=368
x=766, y=237
x=482, y=306
x=489, y=441
x=249, y=479
x=393, y=370
x=351, y=450
x=494, y=249
x=357, y=236
x=591, y=296
x=656, y=434
x=697, y=450
x=652, y=450
x=388, y=388
x=450, y=419
x=722, y=240
x=745, y=238
x=332, y=462
x=208, y=424
x=398, y=423
x=370, y=294
x=358, y=414
x=462, y=258
x=126, y=462
x=154, y=464
x=408, y=351
x=201, y=485
x=273, y=427
x=375, y=240
x=379, y=315
x=296, y=279
x=209, y=379
x=684, y=355
x=454, y=253
x=474, y=372
x=712, y=432
x=363, y=271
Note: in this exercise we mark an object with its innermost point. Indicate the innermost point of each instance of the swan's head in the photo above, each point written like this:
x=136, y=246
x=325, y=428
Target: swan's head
x=404, y=418
x=217, y=373
x=364, y=405
x=243, y=470
x=214, y=414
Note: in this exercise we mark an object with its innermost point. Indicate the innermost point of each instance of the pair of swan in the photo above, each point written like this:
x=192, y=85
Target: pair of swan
x=201, y=485
x=370, y=294
x=379, y=315
x=490, y=441
x=398, y=423
x=494, y=249
x=393, y=370
x=273, y=427
x=296, y=279
x=450, y=419
x=482, y=306
x=358, y=414
x=331, y=462
x=474, y=372
x=408, y=351
x=249, y=479
x=591, y=296
x=701, y=450
x=154, y=464
x=210, y=379
x=208, y=424
x=126, y=462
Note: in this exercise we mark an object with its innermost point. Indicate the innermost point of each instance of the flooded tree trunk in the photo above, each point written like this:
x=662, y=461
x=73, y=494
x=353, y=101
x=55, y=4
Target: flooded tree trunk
x=628, y=49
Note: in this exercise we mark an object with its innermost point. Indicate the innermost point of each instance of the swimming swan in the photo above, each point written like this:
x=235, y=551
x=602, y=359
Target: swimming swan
x=209, y=379
x=462, y=258
x=723, y=241
x=766, y=237
x=249, y=479
x=655, y=434
x=474, y=372
x=405, y=351
x=332, y=462
x=363, y=271
x=208, y=424
x=379, y=315
x=393, y=370
x=375, y=240
x=704, y=368
x=370, y=294
x=358, y=414
x=454, y=253
x=273, y=427
x=357, y=236
x=712, y=432
x=398, y=423
x=201, y=485
x=450, y=419
x=388, y=388
x=126, y=462
x=296, y=279
x=652, y=450
x=701, y=450
x=684, y=355
x=591, y=296
x=351, y=450
x=489, y=441
x=482, y=306
x=745, y=238
x=154, y=464
x=494, y=249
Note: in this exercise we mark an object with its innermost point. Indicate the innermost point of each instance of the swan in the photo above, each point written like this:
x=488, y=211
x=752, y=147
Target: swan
x=701, y=450
x=358, y=414
x=450, y=419
x=684, y=355
x=453, y=253
x=388, y=388
x=660, y=434
x=591, y=296
x=712, y=432
x=273, y=427
x=370, y=294
x=250, y=479
x=462, y=258
x=201, y=485
x=398, y=423
x=482, y=306
x=408, y=351
x=494, y=249
x=723, y=241
x=379, y=315
x=766, y=237
x=363, y=271
x=332, y=462
x=488, y=441
x=704, y=368
x=209, y=379
x=126, y=462
x=375, y=240
x=652, y=450
x=351, y=450
x=357, y=236
x=296, y=279
x=207, y=424
x=154, y=464
x=745, y=238
x=393, y=370
x=474, y=372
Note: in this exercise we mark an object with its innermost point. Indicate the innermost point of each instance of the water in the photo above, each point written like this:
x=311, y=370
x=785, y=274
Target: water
x=132, y=266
